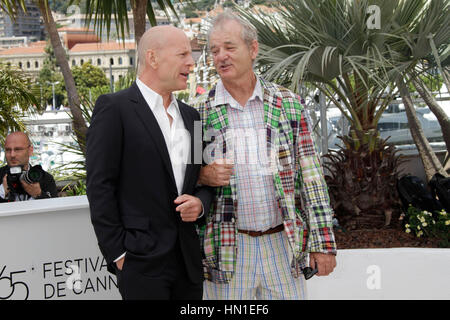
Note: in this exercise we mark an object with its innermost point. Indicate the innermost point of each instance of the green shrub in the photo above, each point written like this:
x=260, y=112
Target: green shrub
x=79, y=189
x=427, y=224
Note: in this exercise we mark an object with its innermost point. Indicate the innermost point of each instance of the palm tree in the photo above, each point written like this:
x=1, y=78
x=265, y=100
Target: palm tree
x=417, y=33
x=442, y=117
x=16, y=97
x=102, y=12
x=11, y=7
x=332, y=45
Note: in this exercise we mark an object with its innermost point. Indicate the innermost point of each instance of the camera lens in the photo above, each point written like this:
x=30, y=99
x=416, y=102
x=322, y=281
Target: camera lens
x=34, y=174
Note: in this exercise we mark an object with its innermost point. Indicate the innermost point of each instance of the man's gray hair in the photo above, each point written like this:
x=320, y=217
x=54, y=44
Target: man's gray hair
x=248, y=33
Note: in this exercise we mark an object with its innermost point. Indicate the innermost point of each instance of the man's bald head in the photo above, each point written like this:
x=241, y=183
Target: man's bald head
x=19, y=136
x=154, y=38
x=18, y=149
x=165, y=60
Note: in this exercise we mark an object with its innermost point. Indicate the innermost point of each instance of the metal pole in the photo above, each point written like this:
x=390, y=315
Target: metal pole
x=53, y=91
x=54, y=100
x=111, y=83
x=40, y=85
x=323, y=123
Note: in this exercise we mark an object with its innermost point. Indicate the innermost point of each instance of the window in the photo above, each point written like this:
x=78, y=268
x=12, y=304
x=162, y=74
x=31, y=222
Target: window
x=404, y=125
x=387, y=126
x=73, y=63
x=36, y=64
x=28, y=65
x=111, y=61
x=99, y=62
x=20, y=65
x=131, y=61
x=81, y=62
x=120, y=61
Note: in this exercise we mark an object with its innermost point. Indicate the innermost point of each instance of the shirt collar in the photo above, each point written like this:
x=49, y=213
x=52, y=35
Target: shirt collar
x=153, y=99
x=222, y=96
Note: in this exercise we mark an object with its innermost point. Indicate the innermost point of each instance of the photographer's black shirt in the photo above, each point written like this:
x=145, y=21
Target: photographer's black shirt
x=47, y=183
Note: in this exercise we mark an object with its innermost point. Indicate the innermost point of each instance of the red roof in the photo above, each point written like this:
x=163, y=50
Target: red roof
x=23, y=50
x=77, y=30
x=72, y=39
x=103, y=46
x=38, y=44
x=193, y=20
x=195, y=45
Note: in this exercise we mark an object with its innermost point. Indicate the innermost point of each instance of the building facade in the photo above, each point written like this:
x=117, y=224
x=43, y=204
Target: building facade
x=115, y=58
x=11, y=42
x=25, y=25
x=79, y=20
x=29, y=59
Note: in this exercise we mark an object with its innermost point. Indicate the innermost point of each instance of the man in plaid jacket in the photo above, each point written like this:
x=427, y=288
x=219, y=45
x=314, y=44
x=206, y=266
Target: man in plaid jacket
x=271, y=206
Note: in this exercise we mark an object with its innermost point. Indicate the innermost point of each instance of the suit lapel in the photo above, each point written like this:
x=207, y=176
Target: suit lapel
x=272, y=107
x=189, y=125
x=151, y=124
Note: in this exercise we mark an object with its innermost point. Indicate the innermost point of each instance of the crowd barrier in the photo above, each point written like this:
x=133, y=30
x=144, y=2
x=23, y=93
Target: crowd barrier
x=48, y=251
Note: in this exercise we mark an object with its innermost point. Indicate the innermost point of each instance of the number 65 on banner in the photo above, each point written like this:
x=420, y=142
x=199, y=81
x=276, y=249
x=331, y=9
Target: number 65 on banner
x=8, y=286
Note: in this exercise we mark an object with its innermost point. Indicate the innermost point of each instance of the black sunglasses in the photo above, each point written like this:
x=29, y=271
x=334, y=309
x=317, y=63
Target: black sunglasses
x=309, y=272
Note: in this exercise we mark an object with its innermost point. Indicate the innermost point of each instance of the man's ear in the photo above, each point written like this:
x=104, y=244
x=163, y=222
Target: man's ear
x=152, y=59
x=254, y=49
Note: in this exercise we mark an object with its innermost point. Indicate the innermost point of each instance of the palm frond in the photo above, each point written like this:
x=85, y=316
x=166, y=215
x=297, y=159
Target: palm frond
x=17, y=98
x=103, y=12
x=321, y=41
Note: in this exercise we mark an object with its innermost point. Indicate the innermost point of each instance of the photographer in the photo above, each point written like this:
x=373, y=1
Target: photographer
x=20, y=180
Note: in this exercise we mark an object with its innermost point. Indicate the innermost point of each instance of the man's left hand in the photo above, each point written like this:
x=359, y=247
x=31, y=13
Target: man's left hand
x=325, y=262
x=33, y=189
x=189, y=207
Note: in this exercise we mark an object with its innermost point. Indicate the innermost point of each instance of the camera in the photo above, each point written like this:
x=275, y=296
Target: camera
x=15, y=174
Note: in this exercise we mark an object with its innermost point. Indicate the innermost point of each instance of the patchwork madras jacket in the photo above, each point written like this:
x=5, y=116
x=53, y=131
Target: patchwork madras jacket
x=301, y=191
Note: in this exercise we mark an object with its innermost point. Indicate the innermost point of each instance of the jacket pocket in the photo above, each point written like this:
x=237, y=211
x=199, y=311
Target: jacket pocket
x=227, y=249
x=209, y=246
x=138, y=237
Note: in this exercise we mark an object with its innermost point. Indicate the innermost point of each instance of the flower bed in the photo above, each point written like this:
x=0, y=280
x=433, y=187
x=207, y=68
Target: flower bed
x=381, y=238
x=418, y=229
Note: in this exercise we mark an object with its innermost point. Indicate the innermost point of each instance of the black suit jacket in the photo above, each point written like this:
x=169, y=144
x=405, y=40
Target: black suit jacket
x=131, y=187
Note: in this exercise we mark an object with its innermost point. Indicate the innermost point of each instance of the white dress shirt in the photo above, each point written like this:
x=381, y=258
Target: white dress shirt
x=177, y=138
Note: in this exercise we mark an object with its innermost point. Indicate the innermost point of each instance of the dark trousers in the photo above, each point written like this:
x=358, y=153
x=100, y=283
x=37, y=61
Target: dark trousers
x=172, y=284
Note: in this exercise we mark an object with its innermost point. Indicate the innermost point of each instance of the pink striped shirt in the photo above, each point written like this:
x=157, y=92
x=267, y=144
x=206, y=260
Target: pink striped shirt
x=257, y=205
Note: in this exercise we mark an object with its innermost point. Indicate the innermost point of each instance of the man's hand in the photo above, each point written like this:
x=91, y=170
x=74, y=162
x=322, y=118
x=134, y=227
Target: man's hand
x=325, y=262
x=189, y=207
x=5, y=186
x=216, y=174
x=33, y=189
x=119, y=263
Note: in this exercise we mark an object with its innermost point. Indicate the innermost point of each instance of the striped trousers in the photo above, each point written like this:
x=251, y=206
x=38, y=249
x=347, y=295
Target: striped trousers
x=262, y=272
